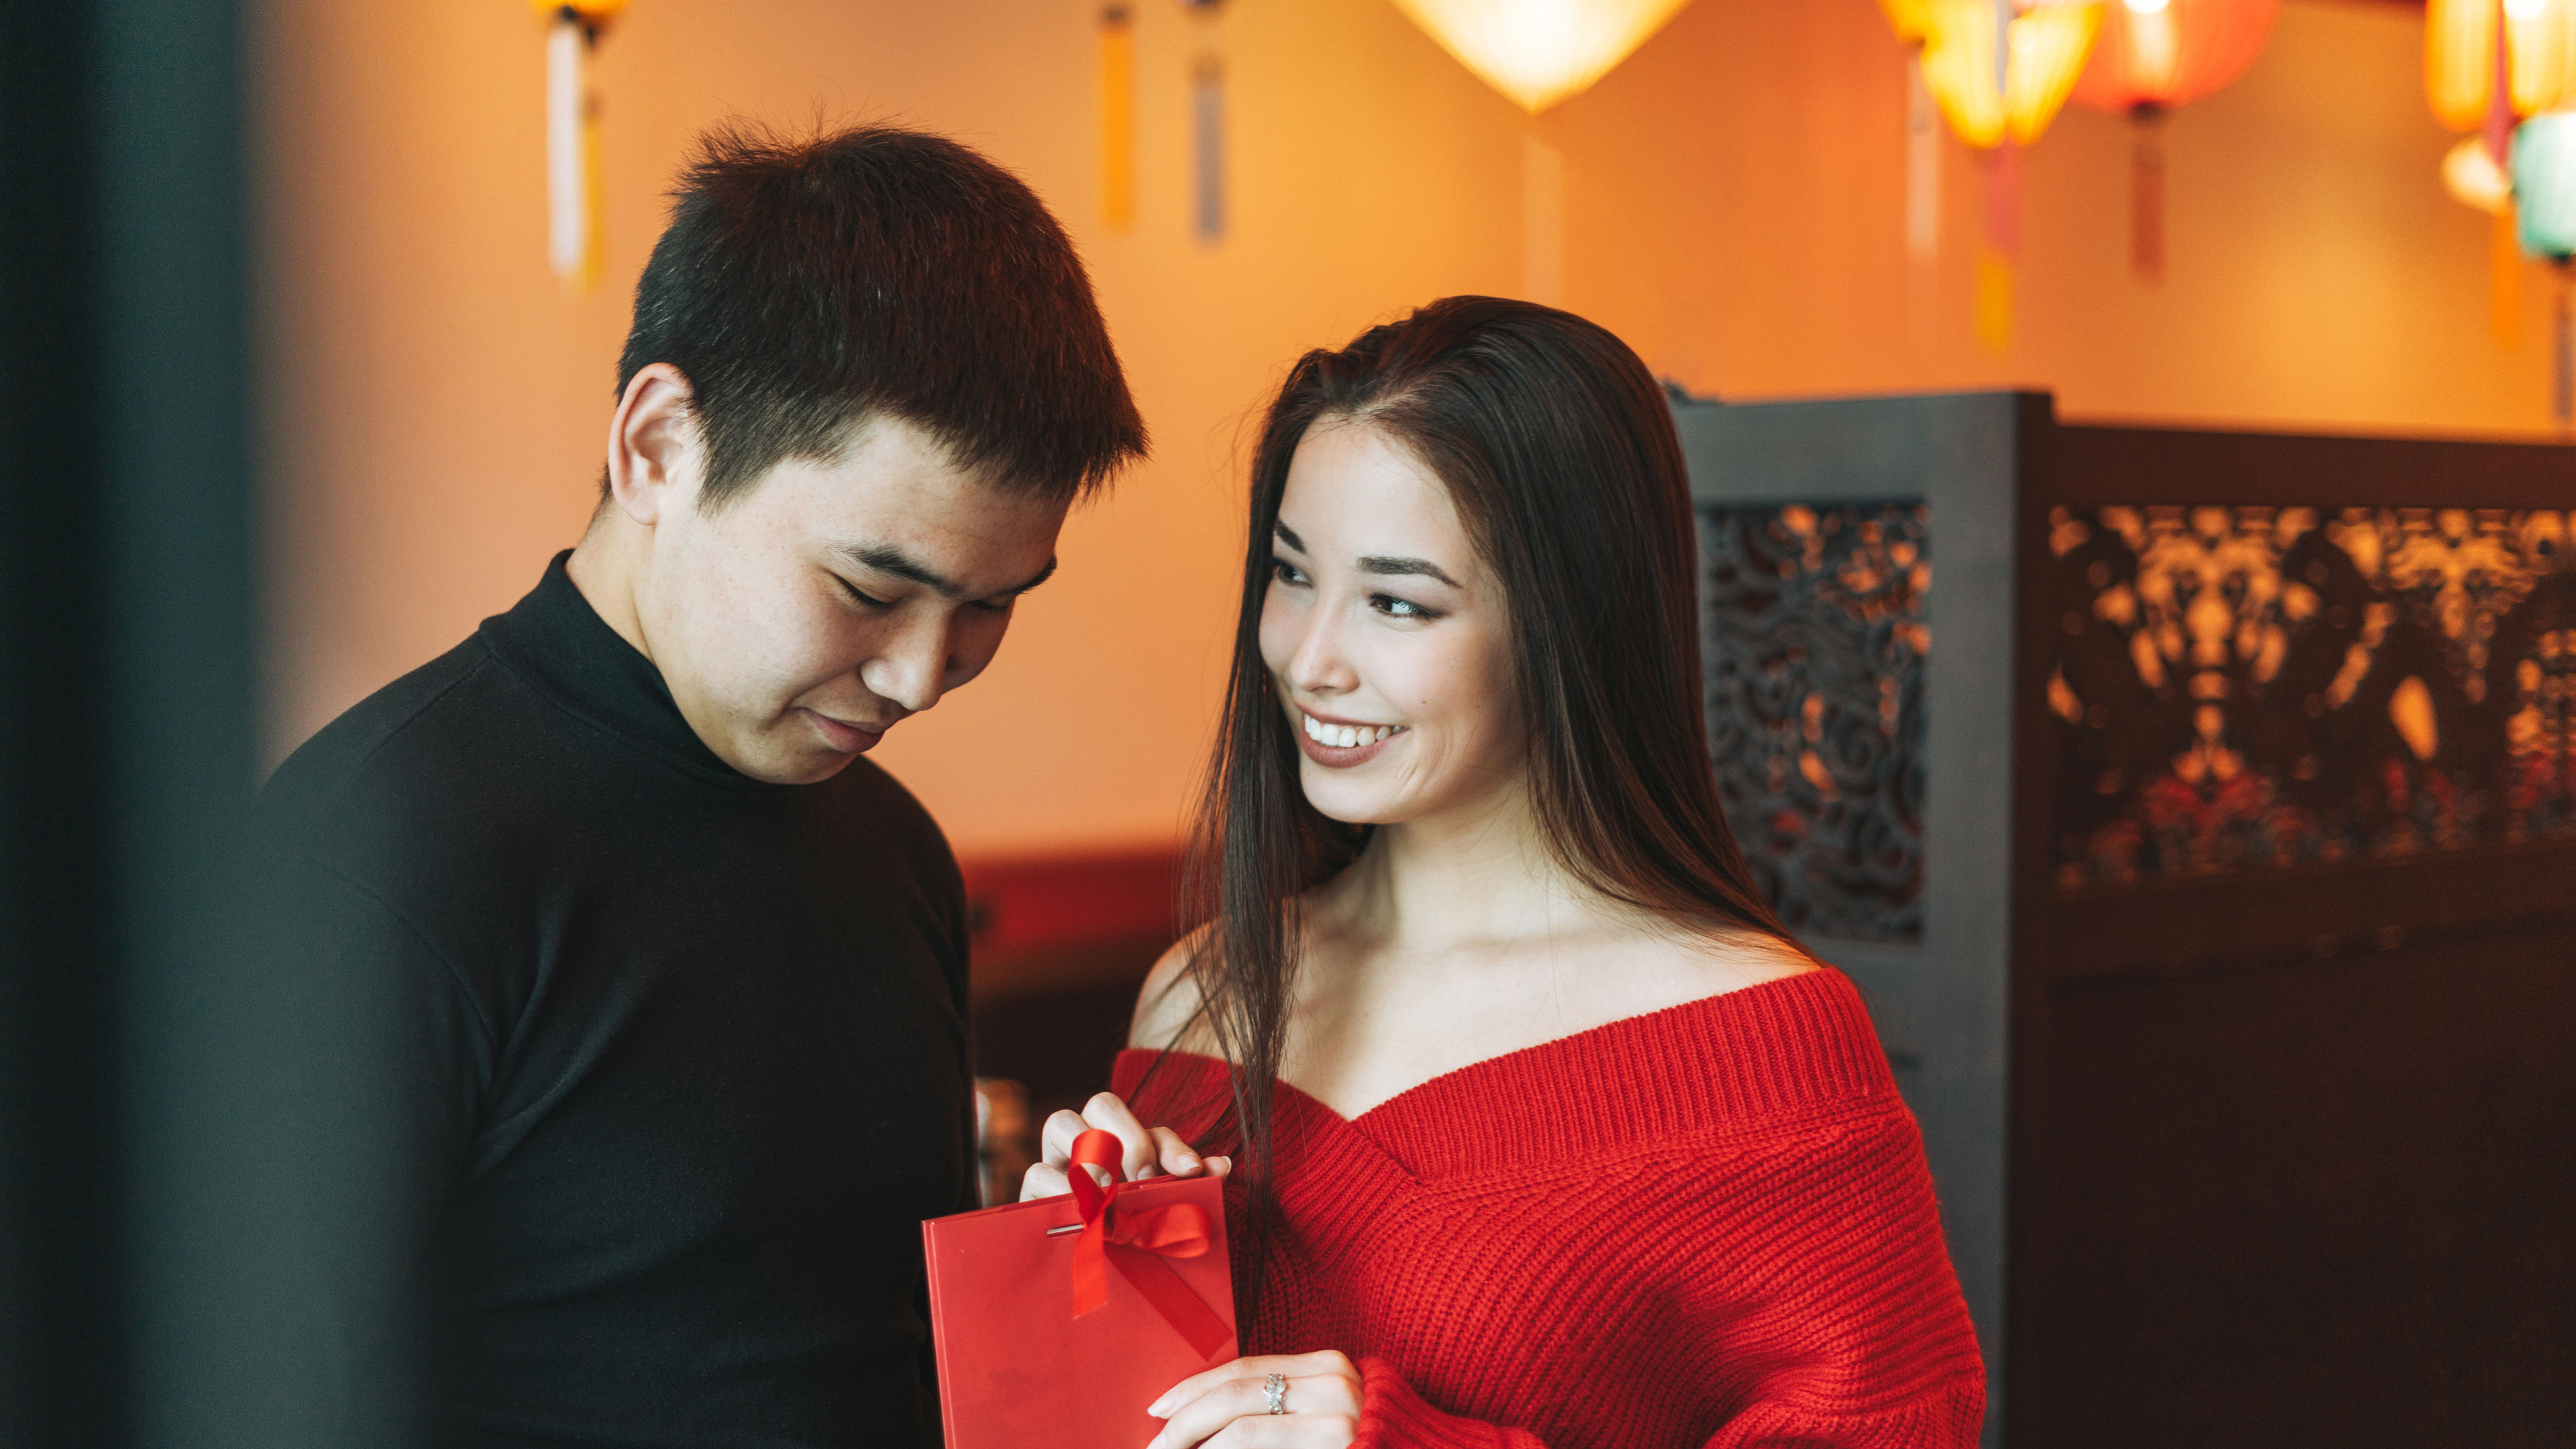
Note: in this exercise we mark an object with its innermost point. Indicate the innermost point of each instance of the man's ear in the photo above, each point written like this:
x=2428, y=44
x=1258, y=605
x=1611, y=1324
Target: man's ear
x=655, y=457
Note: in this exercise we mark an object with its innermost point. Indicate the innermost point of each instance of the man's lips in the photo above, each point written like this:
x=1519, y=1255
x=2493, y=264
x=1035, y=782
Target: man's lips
x=849, y=739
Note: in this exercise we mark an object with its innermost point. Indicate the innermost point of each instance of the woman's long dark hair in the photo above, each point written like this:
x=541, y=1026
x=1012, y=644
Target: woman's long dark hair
x=1559, y=451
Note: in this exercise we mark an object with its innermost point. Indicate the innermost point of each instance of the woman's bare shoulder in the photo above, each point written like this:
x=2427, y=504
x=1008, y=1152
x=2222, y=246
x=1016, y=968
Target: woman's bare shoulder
x=1669, y=968
x=1167, y=1010
x=1737, y=959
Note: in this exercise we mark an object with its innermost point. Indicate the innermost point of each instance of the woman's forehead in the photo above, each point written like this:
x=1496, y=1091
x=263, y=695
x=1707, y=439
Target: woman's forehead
x=1355, y=490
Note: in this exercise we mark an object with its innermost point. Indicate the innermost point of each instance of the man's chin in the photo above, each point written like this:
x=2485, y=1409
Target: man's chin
x=784, y=762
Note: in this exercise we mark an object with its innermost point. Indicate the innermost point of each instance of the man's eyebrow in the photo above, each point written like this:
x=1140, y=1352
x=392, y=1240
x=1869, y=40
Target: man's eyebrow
x=1044, y=574
x=1377, y=565
x=885, y=558
x=1288, y=535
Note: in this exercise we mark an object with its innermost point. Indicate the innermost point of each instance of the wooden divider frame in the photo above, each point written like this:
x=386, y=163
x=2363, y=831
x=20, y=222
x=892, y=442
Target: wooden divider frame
x=1943, y=1006
x=1964, y=1015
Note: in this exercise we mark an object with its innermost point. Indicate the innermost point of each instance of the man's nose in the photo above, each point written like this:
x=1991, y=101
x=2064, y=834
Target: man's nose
x=912, y=667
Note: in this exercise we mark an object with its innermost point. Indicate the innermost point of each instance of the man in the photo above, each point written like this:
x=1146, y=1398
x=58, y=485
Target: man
x=642, y=1050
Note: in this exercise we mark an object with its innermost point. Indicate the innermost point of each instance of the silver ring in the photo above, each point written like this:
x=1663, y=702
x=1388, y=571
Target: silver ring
x=1275, y=1389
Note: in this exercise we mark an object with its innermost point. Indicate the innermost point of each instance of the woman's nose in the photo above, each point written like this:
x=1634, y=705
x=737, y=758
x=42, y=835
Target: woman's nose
x=1320, y=664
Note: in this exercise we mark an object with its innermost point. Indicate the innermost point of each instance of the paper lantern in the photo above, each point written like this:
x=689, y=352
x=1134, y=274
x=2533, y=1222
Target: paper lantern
x=2000, y=70
x=576, y=242
x=2460, y=57
x=2544, y=188
x=2471, y=175
x=2469, y=45
x=2172, y=52
x=2544, y=184
x=2003, y=71
x=2154, y=55
x=1540, y=52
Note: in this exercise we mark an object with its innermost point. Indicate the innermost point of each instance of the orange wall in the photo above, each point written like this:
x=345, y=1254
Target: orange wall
x=1732, y=194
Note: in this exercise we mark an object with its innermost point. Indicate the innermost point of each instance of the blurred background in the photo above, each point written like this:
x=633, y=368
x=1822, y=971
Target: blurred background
x=302, y=384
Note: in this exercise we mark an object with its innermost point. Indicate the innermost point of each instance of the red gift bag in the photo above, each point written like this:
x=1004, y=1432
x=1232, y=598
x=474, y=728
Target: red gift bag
x=1058, y=1321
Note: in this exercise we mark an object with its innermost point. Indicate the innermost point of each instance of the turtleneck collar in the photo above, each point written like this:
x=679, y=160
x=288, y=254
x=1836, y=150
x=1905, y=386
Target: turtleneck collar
x=558, y=642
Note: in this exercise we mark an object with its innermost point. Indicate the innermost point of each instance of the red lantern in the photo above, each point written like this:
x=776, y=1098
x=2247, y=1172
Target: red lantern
x=2152, y=56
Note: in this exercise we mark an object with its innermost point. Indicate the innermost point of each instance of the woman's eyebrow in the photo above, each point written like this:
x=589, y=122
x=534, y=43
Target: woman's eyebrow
x=1374, y=564
x=1288, y=536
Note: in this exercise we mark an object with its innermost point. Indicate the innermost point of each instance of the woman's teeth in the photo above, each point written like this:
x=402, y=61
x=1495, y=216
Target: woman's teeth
x=1345, y=737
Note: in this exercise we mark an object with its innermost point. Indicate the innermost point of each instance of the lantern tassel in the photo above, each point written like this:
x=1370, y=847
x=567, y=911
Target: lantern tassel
x=2147, y=193
x=1117, y=118
x=2504, y=275
x=1542, y=220
x=1922, y=166
x=2001, y=168
x=1207, y=127
x=575, y=191
x=2562, y=390
x=2504, y=266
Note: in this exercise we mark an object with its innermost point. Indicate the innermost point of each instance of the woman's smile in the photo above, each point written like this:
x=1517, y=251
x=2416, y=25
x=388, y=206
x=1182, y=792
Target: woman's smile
x=1340, y=744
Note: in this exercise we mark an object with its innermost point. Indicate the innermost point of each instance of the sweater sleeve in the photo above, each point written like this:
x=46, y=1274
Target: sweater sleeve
x=1852, y=1335
x=1393, y=1416
x=387, y=1054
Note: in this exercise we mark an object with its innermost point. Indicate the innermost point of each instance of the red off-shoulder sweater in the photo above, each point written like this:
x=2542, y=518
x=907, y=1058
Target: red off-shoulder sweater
x=1707, y=1226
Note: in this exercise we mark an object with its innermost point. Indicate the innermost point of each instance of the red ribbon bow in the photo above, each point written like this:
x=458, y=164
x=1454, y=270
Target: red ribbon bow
x=1143, y=1239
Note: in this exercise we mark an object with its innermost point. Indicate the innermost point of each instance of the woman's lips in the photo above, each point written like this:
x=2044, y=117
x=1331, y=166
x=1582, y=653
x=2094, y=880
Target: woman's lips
x=848, y=739
x=1342, y=757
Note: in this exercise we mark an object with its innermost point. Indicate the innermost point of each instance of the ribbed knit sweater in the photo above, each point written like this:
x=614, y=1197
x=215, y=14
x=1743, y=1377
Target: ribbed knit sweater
x=1706, y=1226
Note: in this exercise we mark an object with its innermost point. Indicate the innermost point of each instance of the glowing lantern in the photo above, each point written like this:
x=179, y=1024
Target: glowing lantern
x=2471, y=175
x=2152, y=56
x=2488, y=63
x=1539, y=52
x=576, y=244
x=2460, y=66
x=2544, y=184
x=2544, y=179
x=2000, y=71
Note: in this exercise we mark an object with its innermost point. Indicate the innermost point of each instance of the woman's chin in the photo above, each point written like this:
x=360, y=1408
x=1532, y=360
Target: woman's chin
x=1336, y=800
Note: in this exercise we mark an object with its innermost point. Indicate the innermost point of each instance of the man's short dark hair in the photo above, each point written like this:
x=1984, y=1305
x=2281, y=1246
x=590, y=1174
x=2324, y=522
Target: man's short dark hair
x=808, y=286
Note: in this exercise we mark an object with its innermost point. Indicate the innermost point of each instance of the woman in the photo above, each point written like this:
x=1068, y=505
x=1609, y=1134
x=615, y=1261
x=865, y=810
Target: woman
x=1552, y=1136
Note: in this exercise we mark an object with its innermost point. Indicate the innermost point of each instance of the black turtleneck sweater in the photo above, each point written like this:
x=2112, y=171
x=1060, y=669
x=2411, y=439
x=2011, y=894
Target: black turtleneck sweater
x=636, y=1076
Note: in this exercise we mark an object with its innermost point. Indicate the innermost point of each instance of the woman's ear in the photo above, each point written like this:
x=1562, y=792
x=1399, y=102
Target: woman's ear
x=655, y=457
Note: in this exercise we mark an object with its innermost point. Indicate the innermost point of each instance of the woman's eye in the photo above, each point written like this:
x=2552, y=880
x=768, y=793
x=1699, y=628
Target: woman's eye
x=1395, y=608
x=1286, y=572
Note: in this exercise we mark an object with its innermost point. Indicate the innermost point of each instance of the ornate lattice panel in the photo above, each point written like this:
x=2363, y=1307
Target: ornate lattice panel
x=1817, y=631
x=2240, y=688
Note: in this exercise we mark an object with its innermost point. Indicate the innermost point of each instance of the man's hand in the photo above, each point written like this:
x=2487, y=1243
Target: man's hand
x=1229, y=1407
x=1150, y=1152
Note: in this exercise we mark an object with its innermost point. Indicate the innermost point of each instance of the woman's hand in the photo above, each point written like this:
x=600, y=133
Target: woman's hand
x=1154, y=1152
x=1229, y=1407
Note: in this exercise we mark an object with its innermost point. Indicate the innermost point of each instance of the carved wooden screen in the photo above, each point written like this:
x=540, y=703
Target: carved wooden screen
x=2244, y=687
x=1816, y=629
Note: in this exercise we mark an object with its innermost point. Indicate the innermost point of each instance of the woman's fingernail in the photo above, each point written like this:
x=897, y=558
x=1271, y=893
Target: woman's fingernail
x=1189, y=1160
x=1155, y=1409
